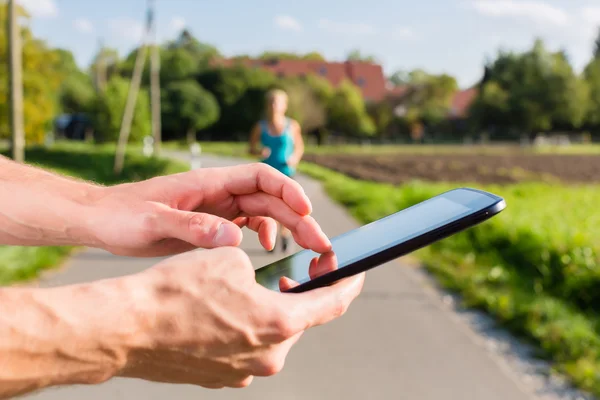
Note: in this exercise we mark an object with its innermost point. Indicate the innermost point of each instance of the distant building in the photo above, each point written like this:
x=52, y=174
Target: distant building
x=367, y=76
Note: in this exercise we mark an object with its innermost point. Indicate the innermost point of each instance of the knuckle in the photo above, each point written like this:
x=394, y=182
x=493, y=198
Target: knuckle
x=244, y=383
x=270, y=365
x=150, y=222
x=196, y=219
x=249, y=339
x=282, y=328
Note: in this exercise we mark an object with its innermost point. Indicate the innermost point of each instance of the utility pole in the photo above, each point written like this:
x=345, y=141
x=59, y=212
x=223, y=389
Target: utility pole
x=16, y=84
x=155, y=79
x=136, y=80
x=130, y=108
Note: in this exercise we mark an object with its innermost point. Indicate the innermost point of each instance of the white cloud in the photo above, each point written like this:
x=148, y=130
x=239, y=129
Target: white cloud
x=537, y=11
x=346, y=28
x=40, y=8
x=403, y=33
x=591, y=15
x=287, y=23
x=178, y=24
x=83, y=25
x=127, y=28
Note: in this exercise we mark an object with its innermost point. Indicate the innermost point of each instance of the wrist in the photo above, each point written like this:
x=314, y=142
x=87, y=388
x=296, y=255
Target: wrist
x=80, y=334
x=99, y=328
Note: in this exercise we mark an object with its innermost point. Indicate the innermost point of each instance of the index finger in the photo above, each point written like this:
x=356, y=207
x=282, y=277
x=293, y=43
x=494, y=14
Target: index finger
x=259, y=177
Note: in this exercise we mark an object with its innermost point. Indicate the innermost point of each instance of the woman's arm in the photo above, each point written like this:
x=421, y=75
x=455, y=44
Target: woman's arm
x=298, y=144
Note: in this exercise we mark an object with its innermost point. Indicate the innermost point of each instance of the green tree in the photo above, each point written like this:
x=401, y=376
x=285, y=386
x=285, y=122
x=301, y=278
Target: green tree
x=77, y=94
x=187, y=107
x=312, y=56
x=541, y=89
x=399, y=78
x=109, y=107
x=592, y=77
x=347, y=111
x=321, y=87
x=240, y=92
x=42, y=76
x=178, y=64
x=202, y=52
x=430, y=97
x=305, y=105
x=357, y=55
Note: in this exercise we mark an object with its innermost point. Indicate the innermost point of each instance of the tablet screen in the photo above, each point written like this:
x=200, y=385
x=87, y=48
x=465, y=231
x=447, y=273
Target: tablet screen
x=377, y=236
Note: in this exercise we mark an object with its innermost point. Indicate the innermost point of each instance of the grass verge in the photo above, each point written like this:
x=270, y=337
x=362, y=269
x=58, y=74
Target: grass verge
x=535, y=268
x=239, y=149
x=91, y=163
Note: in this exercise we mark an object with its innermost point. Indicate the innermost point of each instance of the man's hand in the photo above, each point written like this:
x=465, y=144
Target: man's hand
x=209, y=323
x=198, y=318
x=204, y=208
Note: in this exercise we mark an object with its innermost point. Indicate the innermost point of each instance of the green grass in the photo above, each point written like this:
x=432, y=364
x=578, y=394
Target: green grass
x=535, y=267
x=239, y=149
x=91, y=163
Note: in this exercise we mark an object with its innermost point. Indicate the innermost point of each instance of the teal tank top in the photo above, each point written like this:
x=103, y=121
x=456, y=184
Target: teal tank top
x=281, y=148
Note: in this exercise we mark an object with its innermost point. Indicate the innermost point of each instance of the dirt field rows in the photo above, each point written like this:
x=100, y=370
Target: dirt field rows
x=485, y=169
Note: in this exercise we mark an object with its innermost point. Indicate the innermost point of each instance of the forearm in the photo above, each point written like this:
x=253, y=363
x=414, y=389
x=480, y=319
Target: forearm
x=62, y=336
x=38, y=208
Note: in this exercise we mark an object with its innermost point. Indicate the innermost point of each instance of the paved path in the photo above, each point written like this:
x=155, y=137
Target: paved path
x=397, y=341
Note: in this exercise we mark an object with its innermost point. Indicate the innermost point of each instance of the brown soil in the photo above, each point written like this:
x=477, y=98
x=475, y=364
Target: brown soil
x=485, y=169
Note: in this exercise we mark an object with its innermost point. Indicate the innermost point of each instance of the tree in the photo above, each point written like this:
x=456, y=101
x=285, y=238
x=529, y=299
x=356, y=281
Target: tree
x=77, y=94
x=347, y=111
x=399, y=78
x=177, y=64
x=187, y=107
x=108, y=111
x=592, y=78
x=203, y=52
x=240, y=92
x=305, y=105
x=382, y=115
x=491, y=107
x=281, y=55
x=538, y=91
x=42, y=76
x=321, y=88
x=429, y=98
x=356, y=55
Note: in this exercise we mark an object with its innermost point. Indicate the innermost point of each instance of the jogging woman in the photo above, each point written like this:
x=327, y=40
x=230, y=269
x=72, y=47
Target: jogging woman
x=277, y=139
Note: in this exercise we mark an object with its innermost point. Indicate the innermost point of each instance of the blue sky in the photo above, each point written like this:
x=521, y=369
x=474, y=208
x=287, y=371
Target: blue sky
x=453, y=36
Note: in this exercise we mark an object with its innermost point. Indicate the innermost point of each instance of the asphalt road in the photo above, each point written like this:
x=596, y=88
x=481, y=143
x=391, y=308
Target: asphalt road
x=395, y=342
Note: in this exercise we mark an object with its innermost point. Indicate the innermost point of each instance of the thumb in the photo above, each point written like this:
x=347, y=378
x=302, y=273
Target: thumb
x=199, y=229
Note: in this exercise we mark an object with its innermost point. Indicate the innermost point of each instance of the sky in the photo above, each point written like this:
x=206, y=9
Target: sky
x=440, y=36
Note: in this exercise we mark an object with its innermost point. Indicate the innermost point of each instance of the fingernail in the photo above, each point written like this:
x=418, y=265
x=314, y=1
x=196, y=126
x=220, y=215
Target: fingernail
x=273, y=238
x=227, y=235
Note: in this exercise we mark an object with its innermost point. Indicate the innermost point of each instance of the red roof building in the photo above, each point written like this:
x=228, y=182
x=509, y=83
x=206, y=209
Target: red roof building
x=462, y=102
x=368, y=77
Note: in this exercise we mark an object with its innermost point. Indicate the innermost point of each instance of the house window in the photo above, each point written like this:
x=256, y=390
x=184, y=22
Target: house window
x=323, y=71
x=361, y=82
